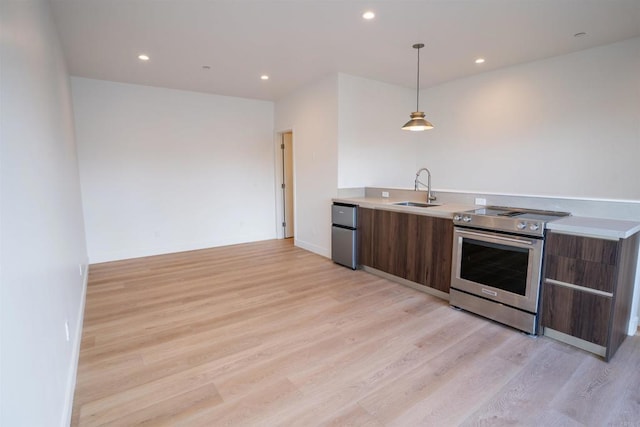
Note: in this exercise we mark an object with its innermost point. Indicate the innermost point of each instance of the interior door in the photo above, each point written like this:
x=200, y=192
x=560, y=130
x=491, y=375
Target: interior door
x=287, y=183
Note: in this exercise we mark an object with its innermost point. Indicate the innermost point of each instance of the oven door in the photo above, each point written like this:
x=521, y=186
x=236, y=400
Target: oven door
x=497, y=266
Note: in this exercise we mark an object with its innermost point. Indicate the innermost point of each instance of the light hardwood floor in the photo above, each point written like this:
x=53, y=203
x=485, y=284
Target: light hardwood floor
x=268, y=334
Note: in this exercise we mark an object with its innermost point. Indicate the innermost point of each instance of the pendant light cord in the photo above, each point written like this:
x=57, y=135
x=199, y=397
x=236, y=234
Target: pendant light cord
x=418, y=84
x=417, y=122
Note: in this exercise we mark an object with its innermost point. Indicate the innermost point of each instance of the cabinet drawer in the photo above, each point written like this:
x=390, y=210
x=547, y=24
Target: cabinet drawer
x=599, y=251
x=579, y=272
x=573, y=312
x=582, y=261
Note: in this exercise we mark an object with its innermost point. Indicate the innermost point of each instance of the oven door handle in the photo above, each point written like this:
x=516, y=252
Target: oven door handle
x=493, y=236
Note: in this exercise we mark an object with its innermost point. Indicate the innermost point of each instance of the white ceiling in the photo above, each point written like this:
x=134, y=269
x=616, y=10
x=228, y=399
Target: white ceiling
x=298, y=41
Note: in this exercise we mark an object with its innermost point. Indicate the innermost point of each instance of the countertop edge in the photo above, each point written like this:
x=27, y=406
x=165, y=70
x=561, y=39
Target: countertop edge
x=587, y=226
x=445, y=210
x=596, y=227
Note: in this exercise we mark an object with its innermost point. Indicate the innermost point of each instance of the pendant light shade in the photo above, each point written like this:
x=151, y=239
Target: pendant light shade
x=418, y=122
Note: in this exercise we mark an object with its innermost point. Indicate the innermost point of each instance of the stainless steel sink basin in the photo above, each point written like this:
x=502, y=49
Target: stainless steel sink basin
x=416, y=204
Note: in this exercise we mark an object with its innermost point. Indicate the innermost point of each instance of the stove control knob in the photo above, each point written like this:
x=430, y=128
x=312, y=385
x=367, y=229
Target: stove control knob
x=466, y=218
x=534, y=227
x=521, y=225
x=457, y=217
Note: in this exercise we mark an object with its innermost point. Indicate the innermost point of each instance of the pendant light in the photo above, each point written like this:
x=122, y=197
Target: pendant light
x=418, y=122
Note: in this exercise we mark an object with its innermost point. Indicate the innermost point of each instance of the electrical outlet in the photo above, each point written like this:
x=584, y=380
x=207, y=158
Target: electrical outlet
x=481, y=201
x=385, y=194
x=66, y=329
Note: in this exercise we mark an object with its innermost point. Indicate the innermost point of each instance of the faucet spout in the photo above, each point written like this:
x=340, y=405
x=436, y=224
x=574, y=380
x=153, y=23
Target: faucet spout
x=430, y=196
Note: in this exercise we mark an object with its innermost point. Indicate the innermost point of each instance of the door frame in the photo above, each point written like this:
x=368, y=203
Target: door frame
x=279, y=169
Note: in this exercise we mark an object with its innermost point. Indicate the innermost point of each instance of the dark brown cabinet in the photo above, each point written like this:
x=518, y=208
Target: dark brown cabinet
x=365, y=236
x=588, y=289
x=391, y=230
x=413, y=247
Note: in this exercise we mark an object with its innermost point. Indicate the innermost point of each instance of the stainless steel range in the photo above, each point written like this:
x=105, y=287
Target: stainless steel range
x=497, y=262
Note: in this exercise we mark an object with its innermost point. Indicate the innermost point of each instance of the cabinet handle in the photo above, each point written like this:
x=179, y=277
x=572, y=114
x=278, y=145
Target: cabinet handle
x=579, y=288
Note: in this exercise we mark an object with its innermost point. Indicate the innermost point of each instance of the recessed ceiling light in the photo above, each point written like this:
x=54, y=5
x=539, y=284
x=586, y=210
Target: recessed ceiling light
x=143, y=57
x=581, y=34
x=368, y=15
x=480, y=61
x=264, y=77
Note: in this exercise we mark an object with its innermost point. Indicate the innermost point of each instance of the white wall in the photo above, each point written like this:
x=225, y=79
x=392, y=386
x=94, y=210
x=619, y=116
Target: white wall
x=373, y=150
x=312, y=114
x=166, y=170
x=41, y=227
x=564, y=126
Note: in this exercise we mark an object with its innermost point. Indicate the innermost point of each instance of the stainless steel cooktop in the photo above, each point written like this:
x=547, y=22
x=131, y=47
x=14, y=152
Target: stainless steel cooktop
x=530, y=222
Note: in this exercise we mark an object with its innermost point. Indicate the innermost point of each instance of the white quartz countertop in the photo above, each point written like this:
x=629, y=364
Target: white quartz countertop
x=597, y=227
x=445, y=210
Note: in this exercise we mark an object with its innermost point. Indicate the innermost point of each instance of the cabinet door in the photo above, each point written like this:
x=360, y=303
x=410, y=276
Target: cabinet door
x=365, y=236
x=438, y=253
x=418, y=248
x=581, y=261
x=414, y=247
x=429, y=245
x=576, y=313
x=389, y=242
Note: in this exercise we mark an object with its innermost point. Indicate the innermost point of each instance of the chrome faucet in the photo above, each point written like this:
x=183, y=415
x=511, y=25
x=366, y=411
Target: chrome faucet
x=430, y=197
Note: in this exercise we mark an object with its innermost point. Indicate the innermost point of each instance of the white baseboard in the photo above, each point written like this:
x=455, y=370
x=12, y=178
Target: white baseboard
x=312, y=248
x=139, y=252
x=75, y=354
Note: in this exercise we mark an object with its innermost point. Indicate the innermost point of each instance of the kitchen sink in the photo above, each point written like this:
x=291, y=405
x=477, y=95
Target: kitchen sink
x=416, y=204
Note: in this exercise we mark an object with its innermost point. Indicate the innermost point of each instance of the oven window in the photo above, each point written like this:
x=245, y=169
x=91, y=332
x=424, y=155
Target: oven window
x=496, y=265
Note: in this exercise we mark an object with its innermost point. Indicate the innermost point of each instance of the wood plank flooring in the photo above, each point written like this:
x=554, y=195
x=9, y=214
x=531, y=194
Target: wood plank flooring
x=267, y=334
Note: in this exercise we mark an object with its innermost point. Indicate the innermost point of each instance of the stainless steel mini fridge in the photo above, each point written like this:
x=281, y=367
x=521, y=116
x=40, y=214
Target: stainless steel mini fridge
x=344, y=238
